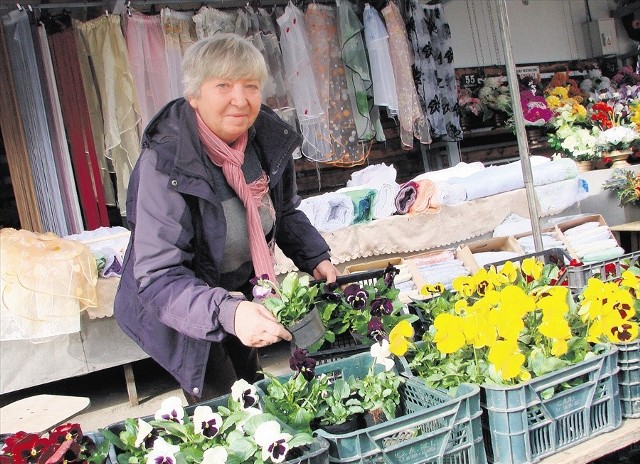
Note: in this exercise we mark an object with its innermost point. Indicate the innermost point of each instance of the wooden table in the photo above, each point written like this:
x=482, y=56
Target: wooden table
x=628, y=234
x=602, y=445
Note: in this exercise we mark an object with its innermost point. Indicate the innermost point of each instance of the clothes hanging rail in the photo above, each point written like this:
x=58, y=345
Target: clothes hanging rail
x=44, y=6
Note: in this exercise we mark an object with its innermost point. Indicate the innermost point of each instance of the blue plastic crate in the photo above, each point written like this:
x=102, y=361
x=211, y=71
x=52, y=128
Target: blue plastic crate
x=629, y=378
x=315, y=453
x=433, y=427
x=522, y=426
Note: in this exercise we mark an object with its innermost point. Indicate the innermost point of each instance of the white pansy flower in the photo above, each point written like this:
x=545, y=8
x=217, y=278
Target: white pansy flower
x=215, y=455
x=245, y=393
x=162, y=452
x=274, y=443
x=144, y=429
x=381, y=353
x=206, y=422
x=171, y=409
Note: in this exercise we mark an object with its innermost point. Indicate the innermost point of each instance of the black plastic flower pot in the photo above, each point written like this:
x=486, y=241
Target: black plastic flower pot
x=308, y=330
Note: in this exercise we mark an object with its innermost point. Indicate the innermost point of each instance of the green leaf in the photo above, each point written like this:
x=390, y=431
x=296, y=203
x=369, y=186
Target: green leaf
x=244, y=448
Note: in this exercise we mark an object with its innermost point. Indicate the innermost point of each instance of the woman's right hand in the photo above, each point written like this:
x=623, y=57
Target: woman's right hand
x=257, y=327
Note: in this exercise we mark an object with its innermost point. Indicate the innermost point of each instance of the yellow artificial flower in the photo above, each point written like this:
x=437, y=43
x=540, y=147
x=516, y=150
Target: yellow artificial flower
x=531, y=267
x=449, y=336
x=507, y=358
x=560, y=92
x=553, y=102
x=398, y=337
x=579, y=110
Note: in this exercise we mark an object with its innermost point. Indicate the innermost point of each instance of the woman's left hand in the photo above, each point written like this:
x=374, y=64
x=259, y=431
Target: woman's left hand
x=326, y=270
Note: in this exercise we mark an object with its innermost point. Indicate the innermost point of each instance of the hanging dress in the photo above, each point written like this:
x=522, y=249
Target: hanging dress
x=296, y=56
x=179, y=33
x=430, y=37
x=410, y=115
x=326, y=59
x=145, y=45
x=377, y=40
x=366, y=115
x=210, y=21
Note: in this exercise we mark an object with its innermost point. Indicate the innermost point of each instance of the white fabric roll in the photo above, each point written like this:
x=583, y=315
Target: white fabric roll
x=373, y=175
x=594, y=247
x=333, y=211
x=450, y=194
x=461, y=169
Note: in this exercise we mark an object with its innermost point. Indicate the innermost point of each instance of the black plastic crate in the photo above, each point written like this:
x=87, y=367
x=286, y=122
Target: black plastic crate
x=345, y=344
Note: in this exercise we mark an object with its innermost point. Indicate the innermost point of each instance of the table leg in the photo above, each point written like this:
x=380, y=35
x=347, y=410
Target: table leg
x=131, y=384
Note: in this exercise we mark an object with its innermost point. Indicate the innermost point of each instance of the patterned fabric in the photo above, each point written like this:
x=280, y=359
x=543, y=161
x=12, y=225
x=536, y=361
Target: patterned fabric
x=366, y=115
x=179, y=33
x=296, y=56
x=410, y=115
x=340, y=128
x=434, y=72
x=209, y=21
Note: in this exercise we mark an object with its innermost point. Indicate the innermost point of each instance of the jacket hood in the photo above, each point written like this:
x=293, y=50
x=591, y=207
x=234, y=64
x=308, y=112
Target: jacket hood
x=173, y=134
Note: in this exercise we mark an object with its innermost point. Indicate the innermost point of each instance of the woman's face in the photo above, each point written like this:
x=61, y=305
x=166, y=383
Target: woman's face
x=228, y=107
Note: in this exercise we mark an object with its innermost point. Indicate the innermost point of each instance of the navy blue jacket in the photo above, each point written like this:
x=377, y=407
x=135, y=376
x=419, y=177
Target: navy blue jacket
x=169, y=300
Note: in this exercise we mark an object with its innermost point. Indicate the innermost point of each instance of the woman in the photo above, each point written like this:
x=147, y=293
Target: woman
x=212, y=191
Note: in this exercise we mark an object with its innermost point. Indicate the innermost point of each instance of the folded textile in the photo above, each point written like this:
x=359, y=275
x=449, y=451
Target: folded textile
x=581, y=228
x=427, y=200
x=362, y=199
x=450, y=194
x=333, y=211
x=384, y=203
x=407, y=194
x=549, y=241
x=604, y=255
x=308, y=207
x=499, y=179
x=461, y=169
x=487, y=257
x=375, y=174
x=556, y=197
x=601, y=232
x=594, y=247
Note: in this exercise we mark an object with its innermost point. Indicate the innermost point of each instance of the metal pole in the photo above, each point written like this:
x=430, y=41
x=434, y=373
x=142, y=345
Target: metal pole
x=521, y=133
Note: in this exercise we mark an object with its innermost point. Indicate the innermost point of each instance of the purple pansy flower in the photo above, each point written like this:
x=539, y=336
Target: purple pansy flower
x=302, y=364
x=381, y=306
x=375, y=329
x=356, y=296
x=389, y=275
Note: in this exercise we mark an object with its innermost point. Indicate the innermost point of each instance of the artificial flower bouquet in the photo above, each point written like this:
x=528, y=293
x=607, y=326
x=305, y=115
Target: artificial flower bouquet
x=230, y=429
x=64, y=444
x=495, y=96
x=625, y=183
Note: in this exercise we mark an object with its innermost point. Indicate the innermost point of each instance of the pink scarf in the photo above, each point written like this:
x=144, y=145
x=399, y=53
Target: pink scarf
x=230, y=159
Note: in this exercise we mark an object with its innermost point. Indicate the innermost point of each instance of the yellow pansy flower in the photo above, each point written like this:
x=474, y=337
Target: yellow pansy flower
x=514, y=300
x=449, y=336
x=625, y=332
x=531, y=267
x=507, y=324
x=465, y=285
x=507, y=358
x=559, y=347
x=508, y=273
x=479, y=331
x=631, y=280
x=398, y=337
x=556, y=328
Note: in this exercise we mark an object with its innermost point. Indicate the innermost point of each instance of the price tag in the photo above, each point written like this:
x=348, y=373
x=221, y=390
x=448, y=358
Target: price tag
x=469, y=81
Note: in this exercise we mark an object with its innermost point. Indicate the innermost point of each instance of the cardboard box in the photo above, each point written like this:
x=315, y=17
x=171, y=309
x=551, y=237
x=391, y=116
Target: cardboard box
x=465, y=252
x=561, y=227
x=436, y=256
x=373, y=265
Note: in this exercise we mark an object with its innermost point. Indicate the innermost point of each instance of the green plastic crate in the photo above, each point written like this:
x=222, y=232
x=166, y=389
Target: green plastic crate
x=433, y=427
x=315, y=453
x=629, y=378
x=521, y=426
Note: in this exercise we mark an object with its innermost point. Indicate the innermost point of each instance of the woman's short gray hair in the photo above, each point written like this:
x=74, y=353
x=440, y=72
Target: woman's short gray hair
x=222, y=56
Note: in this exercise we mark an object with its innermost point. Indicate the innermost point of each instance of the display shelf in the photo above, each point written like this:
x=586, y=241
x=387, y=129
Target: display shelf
x=602, y=445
